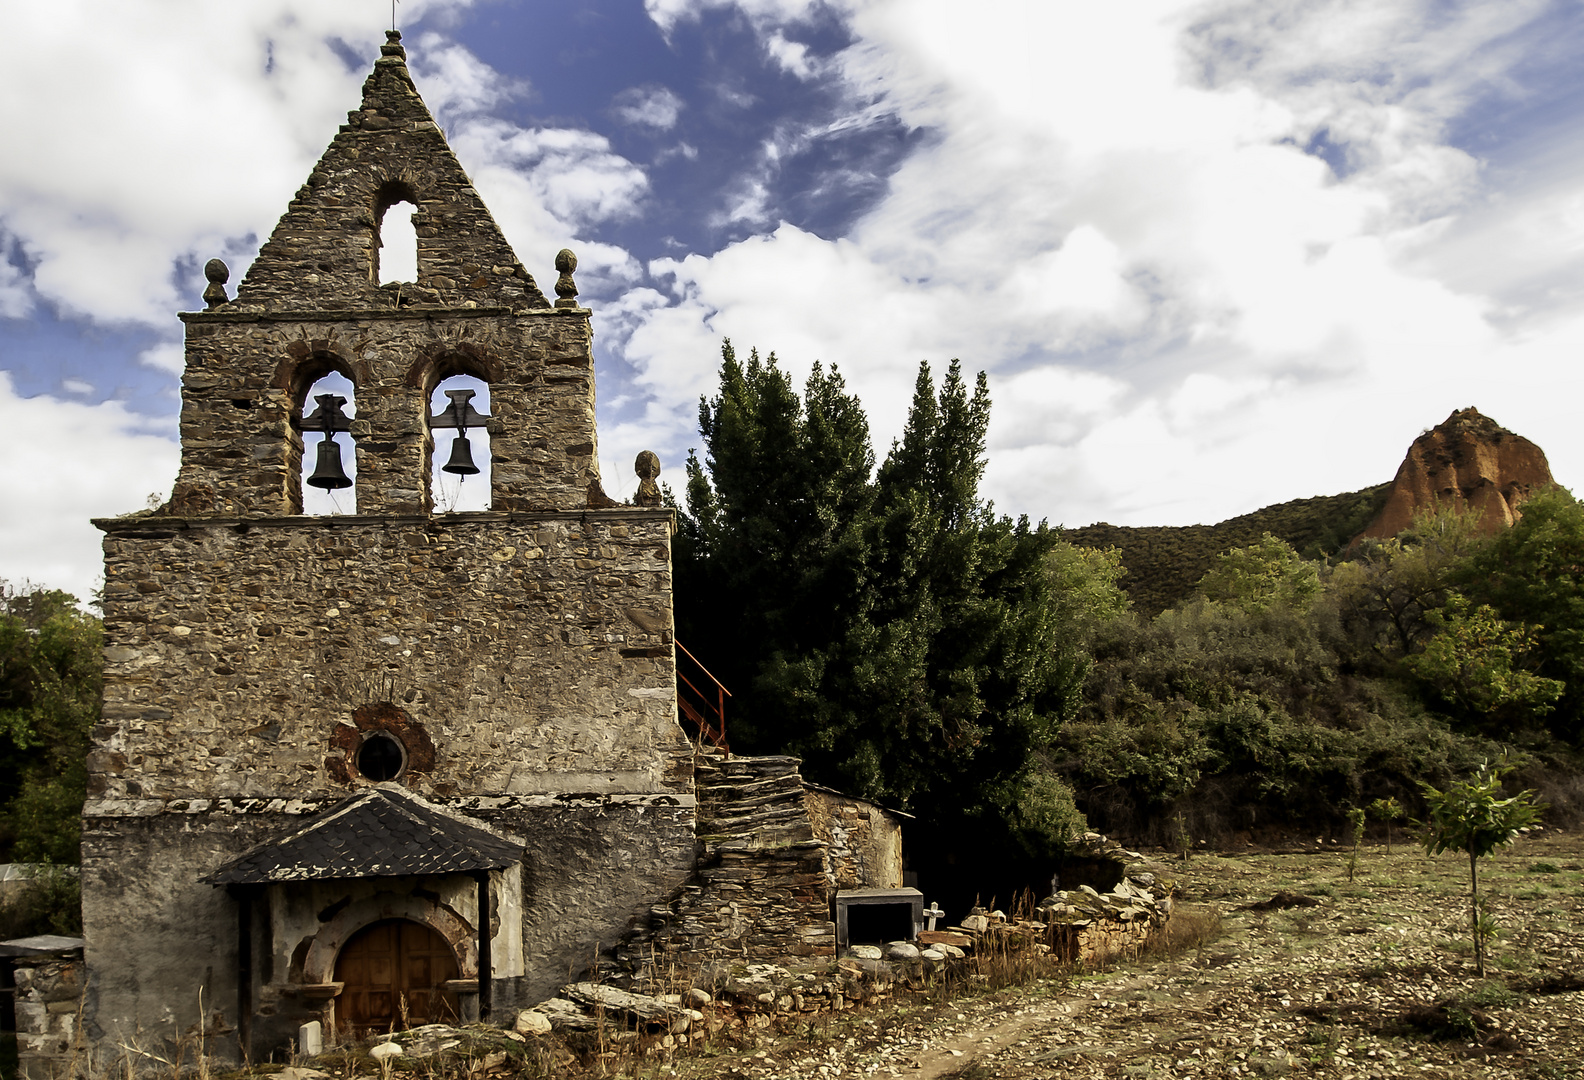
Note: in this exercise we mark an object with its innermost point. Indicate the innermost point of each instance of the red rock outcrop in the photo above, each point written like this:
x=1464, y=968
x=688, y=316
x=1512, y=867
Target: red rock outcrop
x=1468, y=460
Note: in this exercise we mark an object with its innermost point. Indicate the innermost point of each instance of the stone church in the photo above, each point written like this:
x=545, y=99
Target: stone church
x=402, y=764
x=398, y=764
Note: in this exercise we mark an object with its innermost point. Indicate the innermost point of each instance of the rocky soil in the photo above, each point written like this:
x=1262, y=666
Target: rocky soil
x=1374, y=979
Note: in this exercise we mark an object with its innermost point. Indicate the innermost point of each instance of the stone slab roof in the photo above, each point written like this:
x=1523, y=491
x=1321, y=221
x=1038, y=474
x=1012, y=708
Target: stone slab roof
x=41, y=945
x=386, y=831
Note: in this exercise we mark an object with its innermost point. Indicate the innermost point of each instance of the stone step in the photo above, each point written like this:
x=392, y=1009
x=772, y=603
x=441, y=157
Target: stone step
x=752, y=822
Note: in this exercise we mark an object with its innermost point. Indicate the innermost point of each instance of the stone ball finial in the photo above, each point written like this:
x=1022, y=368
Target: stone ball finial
x=648, y=468
x=218, y=274
x=565, y=287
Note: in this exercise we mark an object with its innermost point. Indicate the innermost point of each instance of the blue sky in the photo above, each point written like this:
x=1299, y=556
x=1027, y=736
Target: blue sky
x=1212, y=254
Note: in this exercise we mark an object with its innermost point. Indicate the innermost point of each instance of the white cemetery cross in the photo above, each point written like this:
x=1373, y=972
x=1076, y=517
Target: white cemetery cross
x=932, y=913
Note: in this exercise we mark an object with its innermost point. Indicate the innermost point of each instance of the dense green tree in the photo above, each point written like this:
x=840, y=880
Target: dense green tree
x=890, y=629
x=50, y=680
x=770, y=555
x=1533, y=574
x=1478, y=663
x=1263, y=575
x=1388, y=592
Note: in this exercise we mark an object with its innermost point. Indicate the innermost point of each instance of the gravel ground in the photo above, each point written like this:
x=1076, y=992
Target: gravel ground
x=1376, y=979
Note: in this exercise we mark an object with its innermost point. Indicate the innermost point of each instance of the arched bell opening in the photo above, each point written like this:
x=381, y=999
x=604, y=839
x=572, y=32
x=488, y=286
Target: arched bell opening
x=459, y=445
x=394, y=974
x=395, y=245
x=328, y=463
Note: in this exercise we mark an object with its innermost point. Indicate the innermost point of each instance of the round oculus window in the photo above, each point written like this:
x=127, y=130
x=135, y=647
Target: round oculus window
x=381, y=757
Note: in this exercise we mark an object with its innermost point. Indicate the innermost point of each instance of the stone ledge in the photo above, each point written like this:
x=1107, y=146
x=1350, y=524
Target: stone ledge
x=133, y=524
x=133, y=808
x=352, y=314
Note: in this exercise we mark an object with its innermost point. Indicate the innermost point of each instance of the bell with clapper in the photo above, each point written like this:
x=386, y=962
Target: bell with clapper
x=461, y=415
x=328, y=473
x=461, y=462
x=329, y=419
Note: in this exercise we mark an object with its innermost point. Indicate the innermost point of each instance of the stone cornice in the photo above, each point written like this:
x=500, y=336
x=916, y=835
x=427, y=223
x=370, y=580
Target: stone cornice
x=133, y=525
x=429, y=311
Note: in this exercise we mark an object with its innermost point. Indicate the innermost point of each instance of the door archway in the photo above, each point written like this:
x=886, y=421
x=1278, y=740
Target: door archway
x=393, y=975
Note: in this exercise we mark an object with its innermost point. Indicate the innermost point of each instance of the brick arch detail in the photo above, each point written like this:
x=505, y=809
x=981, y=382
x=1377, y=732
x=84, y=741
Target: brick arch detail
x=319, y=964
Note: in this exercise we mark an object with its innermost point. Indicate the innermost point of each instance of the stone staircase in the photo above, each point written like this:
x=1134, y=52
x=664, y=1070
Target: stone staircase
x=760, y=893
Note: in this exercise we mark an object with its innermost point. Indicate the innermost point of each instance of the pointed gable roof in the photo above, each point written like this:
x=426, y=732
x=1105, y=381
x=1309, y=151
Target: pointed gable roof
x=386, y=831
x=323, y=252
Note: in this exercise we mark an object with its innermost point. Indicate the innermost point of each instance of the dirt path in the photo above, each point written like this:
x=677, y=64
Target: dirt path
x=1373, y=981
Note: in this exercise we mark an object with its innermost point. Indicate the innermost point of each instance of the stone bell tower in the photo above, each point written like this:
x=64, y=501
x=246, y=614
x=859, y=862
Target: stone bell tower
x=446, y=742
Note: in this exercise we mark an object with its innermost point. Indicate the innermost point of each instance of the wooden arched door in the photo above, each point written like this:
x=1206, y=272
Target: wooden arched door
x=393, y=975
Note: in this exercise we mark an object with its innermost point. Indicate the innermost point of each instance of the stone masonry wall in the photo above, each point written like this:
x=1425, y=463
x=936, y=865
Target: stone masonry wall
x=863, y=842
x=760, y=892
x=248, y=375
x=155, y=940
x=526, y=653
x=324, y=252
x=48, y=1004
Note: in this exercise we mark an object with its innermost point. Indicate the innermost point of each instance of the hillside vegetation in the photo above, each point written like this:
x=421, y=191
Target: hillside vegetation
x=1010, y=684
x=1165, y=562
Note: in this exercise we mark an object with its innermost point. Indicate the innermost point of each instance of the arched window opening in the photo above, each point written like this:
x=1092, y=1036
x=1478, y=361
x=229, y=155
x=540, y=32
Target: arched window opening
x=396, y=253
x=329, y=475
x=459, y=475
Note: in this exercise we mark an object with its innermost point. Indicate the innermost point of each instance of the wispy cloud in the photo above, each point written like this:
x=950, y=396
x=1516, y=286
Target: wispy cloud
x=648, y=106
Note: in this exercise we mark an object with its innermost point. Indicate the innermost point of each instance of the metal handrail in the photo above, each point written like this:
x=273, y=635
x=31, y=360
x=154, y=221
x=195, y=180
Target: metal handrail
x=714, y=733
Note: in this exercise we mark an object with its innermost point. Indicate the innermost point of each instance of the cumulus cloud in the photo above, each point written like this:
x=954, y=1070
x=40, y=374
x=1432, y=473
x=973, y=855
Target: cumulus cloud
x=66, y=462
x=648, y=106
x=1179, y=235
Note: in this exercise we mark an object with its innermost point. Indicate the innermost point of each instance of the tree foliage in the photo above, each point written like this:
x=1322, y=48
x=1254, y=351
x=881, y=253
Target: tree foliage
x=1533, y=574
x=1470, y=816
x=1389, y=593
x=50, y=680
x=890, y=629
x=1264, y=575
x=1478, y=663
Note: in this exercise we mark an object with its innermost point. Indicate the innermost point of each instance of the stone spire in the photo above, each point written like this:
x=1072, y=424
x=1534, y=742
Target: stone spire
x=323, y=255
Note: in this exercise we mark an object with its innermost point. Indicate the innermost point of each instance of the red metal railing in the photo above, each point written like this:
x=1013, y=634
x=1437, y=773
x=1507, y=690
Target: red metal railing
x=705, y=708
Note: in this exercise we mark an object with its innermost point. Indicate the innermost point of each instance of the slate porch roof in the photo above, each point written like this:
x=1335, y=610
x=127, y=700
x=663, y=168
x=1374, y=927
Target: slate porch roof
x=386, y=831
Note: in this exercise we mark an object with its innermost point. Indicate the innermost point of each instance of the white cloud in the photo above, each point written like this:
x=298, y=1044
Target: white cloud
x=77, y=386
x=168, y=356
x=66, y=462
x=212, y=115
x=546, y=186
x=1185, y=314
x=648, y=106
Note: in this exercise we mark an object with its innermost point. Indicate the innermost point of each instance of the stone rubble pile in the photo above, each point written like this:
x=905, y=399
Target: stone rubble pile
x=1090, y=926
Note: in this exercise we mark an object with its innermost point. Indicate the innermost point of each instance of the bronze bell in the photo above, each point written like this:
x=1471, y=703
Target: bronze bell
x=328, y=473
x=461, y=462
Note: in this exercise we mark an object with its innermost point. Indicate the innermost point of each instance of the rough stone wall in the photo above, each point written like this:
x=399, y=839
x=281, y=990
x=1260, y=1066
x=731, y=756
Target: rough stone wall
x=534, y=652
x=248, y=375
x=156, y=936
x=863, y=843
x=48, y=1002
